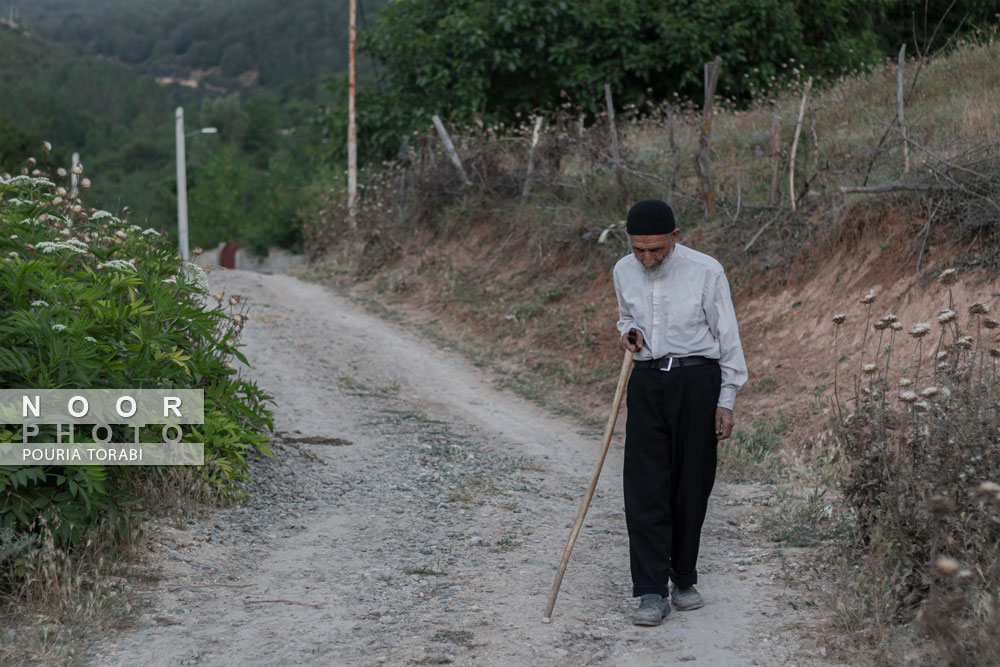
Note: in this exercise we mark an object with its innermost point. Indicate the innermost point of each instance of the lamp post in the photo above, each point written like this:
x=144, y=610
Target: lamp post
x=182, y=201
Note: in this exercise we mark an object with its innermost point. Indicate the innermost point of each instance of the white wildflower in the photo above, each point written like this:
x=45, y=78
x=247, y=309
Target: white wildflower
x=78, y=169
x=90, y=339
x=922, y=406
x=150, y=231
x=946, y=564
x=946, y=316
x=135, y=228
x=47, y=147
x=869, y=369
x=30, y=182
x=196, y=275
x=869, y=298
x=839, y=318
x=84, y=183
x=929, y=392
x=949, y=276
x=920, y=329
x=908, y=397
x=905, y=382
x=979, y=309
x=118, y=265
x=73, y=245
x=61, y=172
x=59, y=327
x=38, y=303
x=101, y=215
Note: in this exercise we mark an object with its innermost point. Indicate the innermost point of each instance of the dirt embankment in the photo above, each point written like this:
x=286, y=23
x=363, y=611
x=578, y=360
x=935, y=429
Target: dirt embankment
x=545, y=316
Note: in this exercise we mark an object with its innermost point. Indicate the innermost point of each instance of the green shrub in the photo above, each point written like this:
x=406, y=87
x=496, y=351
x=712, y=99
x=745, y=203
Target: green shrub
x=91, y=301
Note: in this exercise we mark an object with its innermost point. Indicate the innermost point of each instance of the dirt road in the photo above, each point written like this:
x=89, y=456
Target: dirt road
x=415, y=515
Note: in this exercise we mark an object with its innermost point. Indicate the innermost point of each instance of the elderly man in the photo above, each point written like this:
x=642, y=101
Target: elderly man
x=676, y=314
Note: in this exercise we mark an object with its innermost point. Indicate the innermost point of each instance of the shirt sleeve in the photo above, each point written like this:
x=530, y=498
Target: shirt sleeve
x=625, y=320
x=722, y=323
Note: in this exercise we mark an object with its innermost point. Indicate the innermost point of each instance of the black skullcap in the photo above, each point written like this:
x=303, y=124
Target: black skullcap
x=649, y=217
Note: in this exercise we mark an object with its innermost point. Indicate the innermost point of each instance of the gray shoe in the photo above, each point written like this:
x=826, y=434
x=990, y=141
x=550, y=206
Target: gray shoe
x=652, y=609
x=686, y=599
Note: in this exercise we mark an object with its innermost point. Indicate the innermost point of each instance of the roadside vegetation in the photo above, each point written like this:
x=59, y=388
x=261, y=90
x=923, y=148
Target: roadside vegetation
x=89, y=300
x=919, y=431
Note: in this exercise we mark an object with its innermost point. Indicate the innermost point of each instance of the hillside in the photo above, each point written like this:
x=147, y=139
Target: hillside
x=121, y=122
x=284, y=47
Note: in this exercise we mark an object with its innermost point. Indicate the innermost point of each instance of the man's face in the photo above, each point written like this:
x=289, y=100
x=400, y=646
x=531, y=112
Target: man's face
x=650, y=250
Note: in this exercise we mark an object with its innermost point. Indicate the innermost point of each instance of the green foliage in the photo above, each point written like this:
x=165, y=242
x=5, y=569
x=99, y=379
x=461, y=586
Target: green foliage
x=95, y=302
x=498, y=60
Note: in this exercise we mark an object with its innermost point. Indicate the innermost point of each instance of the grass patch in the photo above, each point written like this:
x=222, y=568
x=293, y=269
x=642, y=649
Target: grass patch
x=798, y=521
x=751, y=456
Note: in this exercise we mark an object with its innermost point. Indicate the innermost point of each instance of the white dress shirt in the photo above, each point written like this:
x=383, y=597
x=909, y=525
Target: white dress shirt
x=683, y=308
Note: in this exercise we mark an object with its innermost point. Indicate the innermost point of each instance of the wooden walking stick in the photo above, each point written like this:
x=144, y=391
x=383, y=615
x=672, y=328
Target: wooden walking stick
x=585, y=504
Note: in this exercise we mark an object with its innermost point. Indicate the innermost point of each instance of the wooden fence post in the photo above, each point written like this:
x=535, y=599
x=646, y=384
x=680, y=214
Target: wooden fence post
x=616, y=154
x=775, y=156
x=531, y=158
x=450, y=147
x=899, y=104
x=795, y=143
x=579, y=151
x=818, y=173
x=675, y=159
x=701, y=161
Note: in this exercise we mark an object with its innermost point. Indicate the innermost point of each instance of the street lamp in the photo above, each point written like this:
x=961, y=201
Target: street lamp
x=182, y=201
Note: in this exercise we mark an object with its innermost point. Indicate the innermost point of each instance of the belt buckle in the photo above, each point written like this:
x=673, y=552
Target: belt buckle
x=670, y=364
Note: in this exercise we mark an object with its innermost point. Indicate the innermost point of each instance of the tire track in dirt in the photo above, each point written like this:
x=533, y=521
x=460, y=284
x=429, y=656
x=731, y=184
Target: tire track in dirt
x=433, y=537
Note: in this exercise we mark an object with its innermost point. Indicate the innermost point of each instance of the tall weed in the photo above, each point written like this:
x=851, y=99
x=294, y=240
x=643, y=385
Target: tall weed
x=922, y=440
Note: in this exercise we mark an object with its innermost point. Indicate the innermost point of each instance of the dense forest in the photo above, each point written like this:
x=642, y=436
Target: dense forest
x=103, y=79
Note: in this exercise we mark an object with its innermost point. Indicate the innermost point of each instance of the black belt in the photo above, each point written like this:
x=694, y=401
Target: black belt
x=674, y=362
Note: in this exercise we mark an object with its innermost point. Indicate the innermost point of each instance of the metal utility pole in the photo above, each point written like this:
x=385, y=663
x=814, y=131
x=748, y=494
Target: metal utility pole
x=74, y=179
x=182, y=197
x=352, y=128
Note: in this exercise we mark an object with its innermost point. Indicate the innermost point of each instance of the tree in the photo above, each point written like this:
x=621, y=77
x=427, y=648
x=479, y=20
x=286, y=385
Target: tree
x=502, y=57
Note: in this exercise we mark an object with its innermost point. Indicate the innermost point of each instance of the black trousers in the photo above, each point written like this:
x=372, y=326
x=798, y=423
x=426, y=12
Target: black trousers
x=670, y=458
